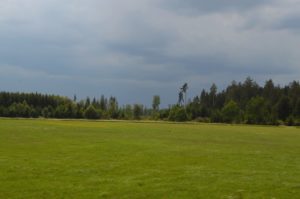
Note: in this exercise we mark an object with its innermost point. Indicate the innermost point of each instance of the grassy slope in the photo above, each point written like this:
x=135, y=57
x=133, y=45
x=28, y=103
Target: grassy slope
x=81, y=159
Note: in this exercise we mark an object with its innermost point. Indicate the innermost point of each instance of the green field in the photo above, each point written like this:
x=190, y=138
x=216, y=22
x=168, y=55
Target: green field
x=83, y=159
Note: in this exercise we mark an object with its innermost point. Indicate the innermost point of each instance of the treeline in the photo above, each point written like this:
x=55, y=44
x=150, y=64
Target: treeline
x=245, y=102
x=241, y=102
x=33, y=105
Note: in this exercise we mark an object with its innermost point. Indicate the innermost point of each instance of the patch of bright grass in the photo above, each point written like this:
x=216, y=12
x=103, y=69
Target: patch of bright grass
x=83, y=159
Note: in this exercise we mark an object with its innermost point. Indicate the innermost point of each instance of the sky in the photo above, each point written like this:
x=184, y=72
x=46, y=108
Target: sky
x=134, y=49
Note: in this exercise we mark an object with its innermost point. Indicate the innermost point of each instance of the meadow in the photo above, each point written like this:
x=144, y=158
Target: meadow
x=106, y=159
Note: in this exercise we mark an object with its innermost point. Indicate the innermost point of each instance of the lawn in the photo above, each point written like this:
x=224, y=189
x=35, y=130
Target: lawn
x=86, y=159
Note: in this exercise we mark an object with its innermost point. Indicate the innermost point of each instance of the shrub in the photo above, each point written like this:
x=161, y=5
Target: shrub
x=231, y=112
x=178, y=114
x=164, y=114
x=202, y=119
x=216, y=116
x=290, y=121
x=137, y=111
x=91, y=113
x=256, y=111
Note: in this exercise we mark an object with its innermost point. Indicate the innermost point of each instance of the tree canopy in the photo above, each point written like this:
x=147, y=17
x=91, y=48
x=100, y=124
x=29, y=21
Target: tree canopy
x=239, y=102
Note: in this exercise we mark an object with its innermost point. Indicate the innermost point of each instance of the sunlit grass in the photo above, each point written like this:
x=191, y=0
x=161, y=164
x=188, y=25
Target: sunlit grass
x=83, y=159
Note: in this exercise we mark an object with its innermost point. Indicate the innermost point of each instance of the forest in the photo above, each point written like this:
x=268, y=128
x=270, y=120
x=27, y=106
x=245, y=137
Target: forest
x=241, y=102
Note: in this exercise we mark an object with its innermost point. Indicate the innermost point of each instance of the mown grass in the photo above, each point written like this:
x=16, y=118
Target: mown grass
x=83, y=159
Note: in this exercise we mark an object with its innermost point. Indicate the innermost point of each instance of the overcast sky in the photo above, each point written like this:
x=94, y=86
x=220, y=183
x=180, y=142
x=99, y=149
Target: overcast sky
x=133, y=49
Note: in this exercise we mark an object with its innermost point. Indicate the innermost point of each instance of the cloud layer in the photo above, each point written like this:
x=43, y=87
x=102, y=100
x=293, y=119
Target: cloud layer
x=134, y=49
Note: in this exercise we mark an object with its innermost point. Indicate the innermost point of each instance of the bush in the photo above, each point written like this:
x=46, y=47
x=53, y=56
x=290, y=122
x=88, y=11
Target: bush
x=202, y=119
x=155, y=115
x=256, y=111
x=137, y=111
x=91, y=113
x=290, y=121
x=178, y=114
x=297, y=122
x=164, y=114
x=231, y=112
x=274, y=121
x=216, y=117
x=19, y=110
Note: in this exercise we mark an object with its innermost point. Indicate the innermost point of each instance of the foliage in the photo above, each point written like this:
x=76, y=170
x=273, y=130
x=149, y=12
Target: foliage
x=155, y=107
x=216, y=116
x=91, y=113
x=290, y=121
x=178, y=114
x=164, y=114
x=239, y=102
x=137, y=111
x=256, y=111
x=231, y=112
x=283, y=108
x=155, y=103
x=182, y=94
x=113, y=111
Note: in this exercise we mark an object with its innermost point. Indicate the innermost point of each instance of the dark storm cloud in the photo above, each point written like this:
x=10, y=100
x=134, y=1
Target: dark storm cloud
x=137, y=48
x=195, y=7
x=288, y=23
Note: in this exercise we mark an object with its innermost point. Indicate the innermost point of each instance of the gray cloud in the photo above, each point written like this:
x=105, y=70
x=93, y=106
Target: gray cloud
x=288, y=23
x=134, y=49
x=199, y=7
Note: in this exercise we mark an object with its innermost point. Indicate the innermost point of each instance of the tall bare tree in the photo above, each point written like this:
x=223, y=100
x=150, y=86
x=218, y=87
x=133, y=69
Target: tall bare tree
x=184, y=89
x=182, y=94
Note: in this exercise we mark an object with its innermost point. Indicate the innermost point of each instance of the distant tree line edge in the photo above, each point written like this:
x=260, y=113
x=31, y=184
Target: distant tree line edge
x=241, y=103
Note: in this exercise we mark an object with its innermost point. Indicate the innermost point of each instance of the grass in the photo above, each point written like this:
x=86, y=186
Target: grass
x=83, y=159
